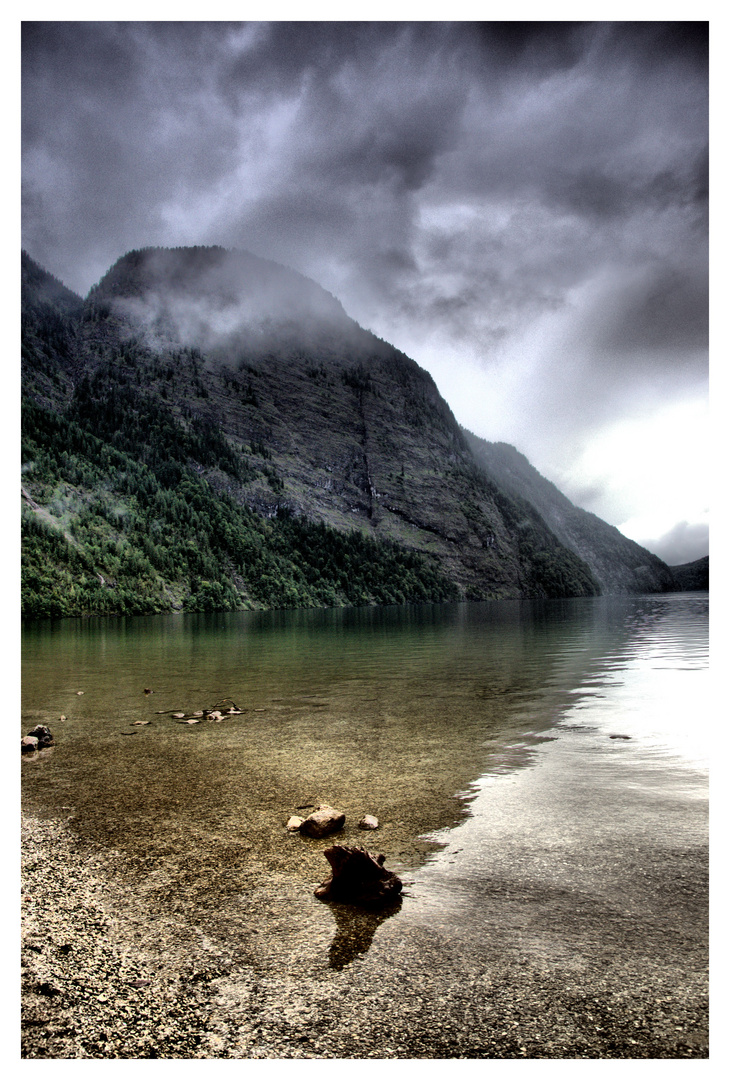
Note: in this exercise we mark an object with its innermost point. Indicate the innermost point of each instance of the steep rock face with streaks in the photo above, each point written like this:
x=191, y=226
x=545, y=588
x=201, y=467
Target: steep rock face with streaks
x=209, y=429
x=620, y=565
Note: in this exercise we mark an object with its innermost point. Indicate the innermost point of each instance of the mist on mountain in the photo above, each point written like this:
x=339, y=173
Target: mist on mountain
x=208, y=429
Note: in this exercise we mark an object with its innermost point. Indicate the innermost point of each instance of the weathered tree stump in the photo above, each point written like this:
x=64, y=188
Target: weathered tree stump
x=358, y=878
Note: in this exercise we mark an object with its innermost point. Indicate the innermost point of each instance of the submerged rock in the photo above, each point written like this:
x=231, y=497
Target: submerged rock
x=28, y=744
x=358, y=878
x=43, y=735
x=322, y=822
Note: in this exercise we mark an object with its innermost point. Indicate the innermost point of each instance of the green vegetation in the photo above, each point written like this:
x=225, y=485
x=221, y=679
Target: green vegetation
x=152, y=536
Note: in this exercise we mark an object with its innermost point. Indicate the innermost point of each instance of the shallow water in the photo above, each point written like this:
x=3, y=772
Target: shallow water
x=485, y=737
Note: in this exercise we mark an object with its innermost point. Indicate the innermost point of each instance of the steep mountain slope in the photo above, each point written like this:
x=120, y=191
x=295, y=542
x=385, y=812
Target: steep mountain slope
x=207, y=425
x=692, y=576
x=619, y=564
x=211, y=430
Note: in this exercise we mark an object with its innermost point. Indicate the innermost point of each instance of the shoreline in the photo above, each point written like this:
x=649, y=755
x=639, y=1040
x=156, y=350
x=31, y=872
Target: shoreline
x=101, y=980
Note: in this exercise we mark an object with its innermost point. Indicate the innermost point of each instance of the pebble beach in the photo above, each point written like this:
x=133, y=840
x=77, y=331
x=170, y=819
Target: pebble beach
x=102, y=977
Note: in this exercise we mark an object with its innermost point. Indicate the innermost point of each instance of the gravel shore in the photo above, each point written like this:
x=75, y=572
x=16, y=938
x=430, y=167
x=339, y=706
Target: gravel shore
x=106, y=976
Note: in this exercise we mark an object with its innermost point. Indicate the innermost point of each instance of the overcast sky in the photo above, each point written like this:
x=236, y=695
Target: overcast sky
x=520, y=207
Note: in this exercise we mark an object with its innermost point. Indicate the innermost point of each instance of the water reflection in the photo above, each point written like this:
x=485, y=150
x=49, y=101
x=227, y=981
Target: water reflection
x=355, y=931
x=398, y=712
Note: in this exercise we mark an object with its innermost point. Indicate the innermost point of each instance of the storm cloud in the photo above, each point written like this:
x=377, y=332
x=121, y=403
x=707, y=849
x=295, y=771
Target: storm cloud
x=521, y=207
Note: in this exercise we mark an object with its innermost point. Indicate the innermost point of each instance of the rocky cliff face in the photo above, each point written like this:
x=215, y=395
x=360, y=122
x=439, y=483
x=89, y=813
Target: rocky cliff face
x=202, y=366
x=618, y=564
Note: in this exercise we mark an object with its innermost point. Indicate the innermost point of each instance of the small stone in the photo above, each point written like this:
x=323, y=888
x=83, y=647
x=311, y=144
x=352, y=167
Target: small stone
x=368, y=822
x=178, y=716
x=139, y=723
x=619, y=736
x=322, y=822
x=293, y=823
x=28, y=743
x=79, y=693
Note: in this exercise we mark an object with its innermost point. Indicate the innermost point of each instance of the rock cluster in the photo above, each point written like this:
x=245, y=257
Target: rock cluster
x=324, y=820
x=38, y=739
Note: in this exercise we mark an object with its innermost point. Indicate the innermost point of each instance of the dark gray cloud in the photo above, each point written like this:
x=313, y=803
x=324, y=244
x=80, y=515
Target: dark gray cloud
x=493, y=197
x=682, y=544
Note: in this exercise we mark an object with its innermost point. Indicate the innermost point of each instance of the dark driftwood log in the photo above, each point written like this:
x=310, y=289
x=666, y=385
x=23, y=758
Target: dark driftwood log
x=358, y=878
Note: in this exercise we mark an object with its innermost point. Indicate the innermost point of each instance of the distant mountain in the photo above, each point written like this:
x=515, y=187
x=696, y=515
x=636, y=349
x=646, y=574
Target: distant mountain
x=210, y=430
x=618, y=564
x=692, y=576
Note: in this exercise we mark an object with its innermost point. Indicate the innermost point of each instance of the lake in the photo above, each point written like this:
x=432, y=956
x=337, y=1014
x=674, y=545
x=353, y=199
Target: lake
x=539, y=770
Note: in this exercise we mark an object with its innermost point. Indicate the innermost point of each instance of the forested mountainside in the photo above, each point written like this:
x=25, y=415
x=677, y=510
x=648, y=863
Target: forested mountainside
x=692, y=576
x=619, y=565
x=208, y=430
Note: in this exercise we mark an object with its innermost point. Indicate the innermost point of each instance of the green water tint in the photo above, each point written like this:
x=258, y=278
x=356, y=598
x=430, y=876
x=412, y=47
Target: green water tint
x=395, y=712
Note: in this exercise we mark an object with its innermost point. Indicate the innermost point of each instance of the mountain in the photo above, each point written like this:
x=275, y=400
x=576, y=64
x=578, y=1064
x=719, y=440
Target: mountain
x=692, y=576
x=618, y=564
x=208, y=429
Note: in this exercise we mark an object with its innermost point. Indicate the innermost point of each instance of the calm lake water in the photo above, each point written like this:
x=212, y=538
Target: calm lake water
x=557, y=743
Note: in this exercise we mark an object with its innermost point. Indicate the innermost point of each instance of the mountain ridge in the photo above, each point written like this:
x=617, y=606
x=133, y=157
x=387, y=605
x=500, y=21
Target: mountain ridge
x=637, y=570
x=280, y=408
